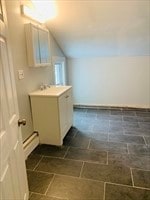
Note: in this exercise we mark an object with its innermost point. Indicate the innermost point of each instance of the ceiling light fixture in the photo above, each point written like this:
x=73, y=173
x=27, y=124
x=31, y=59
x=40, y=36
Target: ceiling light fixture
x=40, y=11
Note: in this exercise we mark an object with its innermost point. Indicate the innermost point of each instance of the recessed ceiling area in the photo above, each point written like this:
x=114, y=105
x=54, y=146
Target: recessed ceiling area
x=95, y=28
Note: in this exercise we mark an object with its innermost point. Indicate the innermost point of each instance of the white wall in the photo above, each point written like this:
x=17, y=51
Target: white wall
x=103, y=28
x=115, y=81
x=33, y=77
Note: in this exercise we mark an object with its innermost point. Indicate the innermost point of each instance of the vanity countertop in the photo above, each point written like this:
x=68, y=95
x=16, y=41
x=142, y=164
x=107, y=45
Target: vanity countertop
x=51, y=91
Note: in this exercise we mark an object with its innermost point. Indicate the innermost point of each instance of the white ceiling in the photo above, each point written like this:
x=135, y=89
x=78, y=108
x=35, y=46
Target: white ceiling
x=93, y=28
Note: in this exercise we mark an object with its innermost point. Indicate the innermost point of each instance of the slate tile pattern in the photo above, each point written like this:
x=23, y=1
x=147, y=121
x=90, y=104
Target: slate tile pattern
x=141, y=178
x=87, y=155
x=105, y=155
x=120, y=192
x=108, y=146
x=60, y=166
x=76, y=188
x=38, y=181
x=107, y=173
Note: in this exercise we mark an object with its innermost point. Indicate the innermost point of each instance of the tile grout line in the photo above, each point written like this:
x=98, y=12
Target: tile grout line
x=49, y=184
x=66, y=152
x=104, y=190
x=140, y=169
x=77, y=177
x=130, y=186
x=132, y=177
x=59, y=198
x=144, y=140
x=37, y=193
x=43, y=172
x=118, y=142
x=81, y=170
x=38, y=163
x=71, y=159
x=88, y=147
x=142, y=188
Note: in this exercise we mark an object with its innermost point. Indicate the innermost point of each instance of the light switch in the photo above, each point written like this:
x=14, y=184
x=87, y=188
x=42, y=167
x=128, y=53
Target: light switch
x=20, y=74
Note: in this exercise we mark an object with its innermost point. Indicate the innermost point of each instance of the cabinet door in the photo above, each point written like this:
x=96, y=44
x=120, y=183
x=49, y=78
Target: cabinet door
x=69, y=108
x=63, y=114
x=36, y=47
x=44, y=46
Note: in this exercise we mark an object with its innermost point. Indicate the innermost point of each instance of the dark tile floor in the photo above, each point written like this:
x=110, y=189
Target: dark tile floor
x=105, y=156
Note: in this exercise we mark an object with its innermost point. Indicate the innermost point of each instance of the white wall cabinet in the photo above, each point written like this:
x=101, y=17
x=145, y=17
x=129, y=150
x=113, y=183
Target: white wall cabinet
x=52, y=114
x=38, y=46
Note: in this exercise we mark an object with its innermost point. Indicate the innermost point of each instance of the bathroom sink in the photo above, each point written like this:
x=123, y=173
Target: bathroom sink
x=52, y=91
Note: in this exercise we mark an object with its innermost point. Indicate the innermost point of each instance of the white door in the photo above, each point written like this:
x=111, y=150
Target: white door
x=13, y=179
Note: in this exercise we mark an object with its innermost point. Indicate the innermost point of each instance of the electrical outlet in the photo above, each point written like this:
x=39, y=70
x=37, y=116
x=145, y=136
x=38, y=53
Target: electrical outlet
x=20, y=74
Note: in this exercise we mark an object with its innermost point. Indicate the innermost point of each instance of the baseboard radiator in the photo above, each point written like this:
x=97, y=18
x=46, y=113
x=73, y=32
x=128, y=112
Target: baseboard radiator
x=30, y=144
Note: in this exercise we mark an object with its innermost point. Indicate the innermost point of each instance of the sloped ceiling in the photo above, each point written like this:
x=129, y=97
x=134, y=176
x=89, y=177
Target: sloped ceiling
x=93, y=28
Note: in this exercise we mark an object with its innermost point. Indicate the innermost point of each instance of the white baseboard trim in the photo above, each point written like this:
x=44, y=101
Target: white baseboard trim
x=30, y=144
x=111, y=106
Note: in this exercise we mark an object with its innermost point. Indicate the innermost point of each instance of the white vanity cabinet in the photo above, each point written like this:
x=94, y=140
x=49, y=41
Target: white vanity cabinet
x=38, y=46
x=52, y=113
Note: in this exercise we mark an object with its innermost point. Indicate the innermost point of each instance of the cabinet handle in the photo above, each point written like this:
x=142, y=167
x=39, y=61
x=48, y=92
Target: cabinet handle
x=66, y=96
